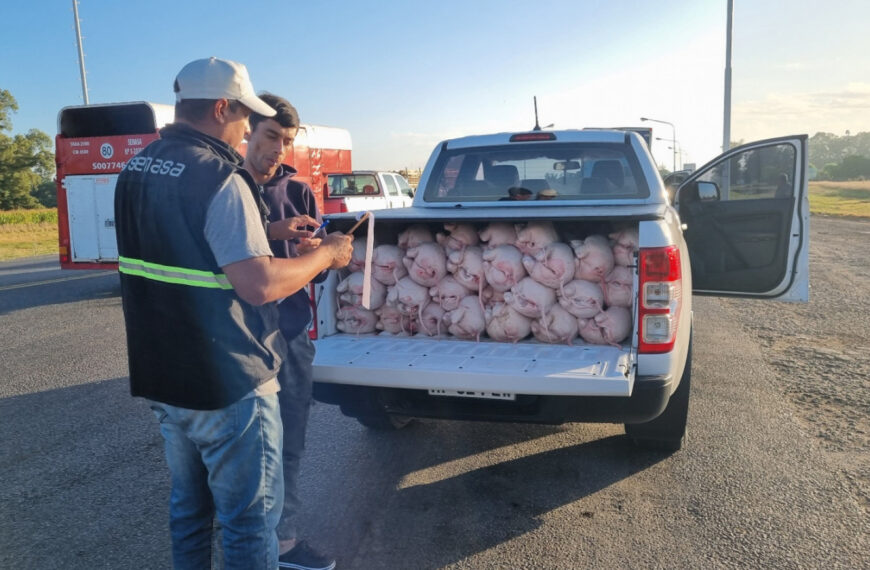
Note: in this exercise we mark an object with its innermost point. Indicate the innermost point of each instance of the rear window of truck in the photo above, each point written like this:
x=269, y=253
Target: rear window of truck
x=539, y=171
x=352, y=184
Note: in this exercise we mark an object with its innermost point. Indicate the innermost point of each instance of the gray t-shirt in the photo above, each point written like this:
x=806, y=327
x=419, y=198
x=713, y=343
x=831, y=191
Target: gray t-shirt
x=234, y=231
x=233, y=227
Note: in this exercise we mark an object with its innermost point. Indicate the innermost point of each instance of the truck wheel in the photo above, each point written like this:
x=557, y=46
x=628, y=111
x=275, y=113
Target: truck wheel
x=383, y=421
x=668, y=431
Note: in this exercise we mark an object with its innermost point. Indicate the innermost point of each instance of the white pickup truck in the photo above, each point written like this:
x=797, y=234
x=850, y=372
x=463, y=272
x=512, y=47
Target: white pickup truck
x=738, y=227
x=365, y=190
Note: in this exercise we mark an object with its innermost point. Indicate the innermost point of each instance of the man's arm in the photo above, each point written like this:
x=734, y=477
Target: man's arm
x=234, y=231
x=259, y=280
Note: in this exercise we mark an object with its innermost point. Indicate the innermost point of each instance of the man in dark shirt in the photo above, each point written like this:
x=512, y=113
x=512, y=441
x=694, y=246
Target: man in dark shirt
x=290, y=202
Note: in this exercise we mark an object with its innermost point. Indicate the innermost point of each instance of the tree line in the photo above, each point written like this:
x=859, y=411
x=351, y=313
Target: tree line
x=840, y=157
x=26, y=163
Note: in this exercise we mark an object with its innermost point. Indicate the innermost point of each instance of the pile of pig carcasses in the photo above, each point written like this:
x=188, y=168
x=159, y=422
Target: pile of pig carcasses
x=504, y=281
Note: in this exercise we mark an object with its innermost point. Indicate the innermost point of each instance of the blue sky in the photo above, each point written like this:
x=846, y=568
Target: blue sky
x=402, y=76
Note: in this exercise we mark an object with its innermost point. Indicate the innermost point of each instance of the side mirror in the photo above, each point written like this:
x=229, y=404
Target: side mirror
x=708, y=192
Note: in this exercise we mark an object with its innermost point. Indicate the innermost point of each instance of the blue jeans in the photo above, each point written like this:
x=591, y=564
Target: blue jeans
x=224, y=463
x=295, y=378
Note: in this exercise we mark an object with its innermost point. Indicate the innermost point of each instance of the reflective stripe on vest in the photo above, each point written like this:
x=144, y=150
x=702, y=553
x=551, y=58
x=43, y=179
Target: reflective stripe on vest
x=169, y=274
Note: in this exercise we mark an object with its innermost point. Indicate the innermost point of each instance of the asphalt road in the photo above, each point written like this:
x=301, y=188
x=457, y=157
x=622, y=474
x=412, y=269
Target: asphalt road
x=83, y=483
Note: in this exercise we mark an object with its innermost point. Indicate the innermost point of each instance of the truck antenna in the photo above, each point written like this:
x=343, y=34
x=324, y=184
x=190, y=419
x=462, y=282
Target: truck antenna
x=537, y=126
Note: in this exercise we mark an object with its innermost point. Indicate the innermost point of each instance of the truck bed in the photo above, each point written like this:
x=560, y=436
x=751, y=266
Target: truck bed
x=528, y=367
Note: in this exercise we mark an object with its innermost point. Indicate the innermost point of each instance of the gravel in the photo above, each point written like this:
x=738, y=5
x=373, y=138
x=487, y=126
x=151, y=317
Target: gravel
x=822, y=349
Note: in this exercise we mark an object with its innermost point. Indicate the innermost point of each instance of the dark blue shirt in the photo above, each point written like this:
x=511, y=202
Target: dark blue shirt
x=288, y=198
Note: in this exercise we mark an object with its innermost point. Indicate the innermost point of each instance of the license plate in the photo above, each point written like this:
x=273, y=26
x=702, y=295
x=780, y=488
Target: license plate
x=473, y=394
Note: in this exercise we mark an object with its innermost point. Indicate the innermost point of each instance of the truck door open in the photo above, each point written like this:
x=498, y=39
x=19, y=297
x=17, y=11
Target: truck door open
x=746, y=217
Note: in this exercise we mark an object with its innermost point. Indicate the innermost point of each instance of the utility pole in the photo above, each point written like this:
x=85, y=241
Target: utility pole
x=726, y=126
x=81, y=52
x=673, y=134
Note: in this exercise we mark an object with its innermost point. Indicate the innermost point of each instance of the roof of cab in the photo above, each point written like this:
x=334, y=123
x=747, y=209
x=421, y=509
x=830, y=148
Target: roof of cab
x=573, y=135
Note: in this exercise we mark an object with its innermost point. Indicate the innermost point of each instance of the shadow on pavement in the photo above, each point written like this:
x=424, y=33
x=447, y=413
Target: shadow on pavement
x=403, y=492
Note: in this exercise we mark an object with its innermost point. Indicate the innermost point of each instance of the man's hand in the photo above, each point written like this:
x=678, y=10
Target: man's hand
x=290, y=228
x=340, y=247
x=307, y=244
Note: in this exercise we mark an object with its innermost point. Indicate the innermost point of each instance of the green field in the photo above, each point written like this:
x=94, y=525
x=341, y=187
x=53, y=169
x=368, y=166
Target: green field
x=840, y=198
x=26, y=240
x=24, y=233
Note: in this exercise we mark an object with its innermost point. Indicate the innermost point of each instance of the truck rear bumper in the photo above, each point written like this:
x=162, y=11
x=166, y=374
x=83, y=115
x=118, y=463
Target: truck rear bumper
x=647, y=401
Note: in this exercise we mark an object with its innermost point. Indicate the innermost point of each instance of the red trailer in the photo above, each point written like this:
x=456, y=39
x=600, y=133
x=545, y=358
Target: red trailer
x=94, y=143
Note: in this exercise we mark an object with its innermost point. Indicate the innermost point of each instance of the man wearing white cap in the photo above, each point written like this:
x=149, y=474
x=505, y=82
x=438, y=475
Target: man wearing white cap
x=198, y=285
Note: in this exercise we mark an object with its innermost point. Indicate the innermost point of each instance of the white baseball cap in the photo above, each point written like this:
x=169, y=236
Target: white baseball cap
x=215, y=78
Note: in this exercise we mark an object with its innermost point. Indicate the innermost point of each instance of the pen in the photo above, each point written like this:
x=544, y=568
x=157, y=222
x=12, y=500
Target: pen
x=321, y=229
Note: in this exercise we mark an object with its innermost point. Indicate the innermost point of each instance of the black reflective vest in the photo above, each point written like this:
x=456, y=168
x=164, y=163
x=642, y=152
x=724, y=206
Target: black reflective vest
x=192, y=342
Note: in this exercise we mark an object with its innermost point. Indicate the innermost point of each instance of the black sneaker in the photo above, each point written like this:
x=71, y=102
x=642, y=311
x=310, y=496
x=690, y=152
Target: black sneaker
x=304, y=557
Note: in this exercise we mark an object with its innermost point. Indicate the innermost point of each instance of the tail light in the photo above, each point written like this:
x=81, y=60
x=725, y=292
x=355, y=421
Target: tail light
x=334, y=206
x=660, y=298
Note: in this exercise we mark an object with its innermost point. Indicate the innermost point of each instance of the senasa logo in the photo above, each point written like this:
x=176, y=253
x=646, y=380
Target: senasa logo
x=106, y=151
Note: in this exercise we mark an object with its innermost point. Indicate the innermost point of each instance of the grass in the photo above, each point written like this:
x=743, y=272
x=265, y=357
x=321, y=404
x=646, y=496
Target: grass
x=27, y=239
x=841, y=198
x=25, y=233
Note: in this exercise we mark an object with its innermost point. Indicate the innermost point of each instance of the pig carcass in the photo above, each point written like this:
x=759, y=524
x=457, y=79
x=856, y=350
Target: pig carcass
x=387, y=264
x=393, y=321
x=466, y=265
x=552, y=266
x=503, y=267
x=557, y=326
x=414, y=235
x=458, y=236
x=582, y=298
x=467, y=321
x=498, y=233
x=407, y=296
x=448, y=292
x=530, y=298
x=358, y=256
x=625, y=243
x=594, y=258
x=490, y=296
x=426, y=263
x=618, y=287
x=431, y=319
x=534, y=236
x=350, y=290
x=610, y=326
x=504, y=324
x=356, y=320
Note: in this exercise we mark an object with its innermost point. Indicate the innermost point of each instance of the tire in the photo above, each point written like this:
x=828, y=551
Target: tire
x=667, y=432
x=384, y=421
